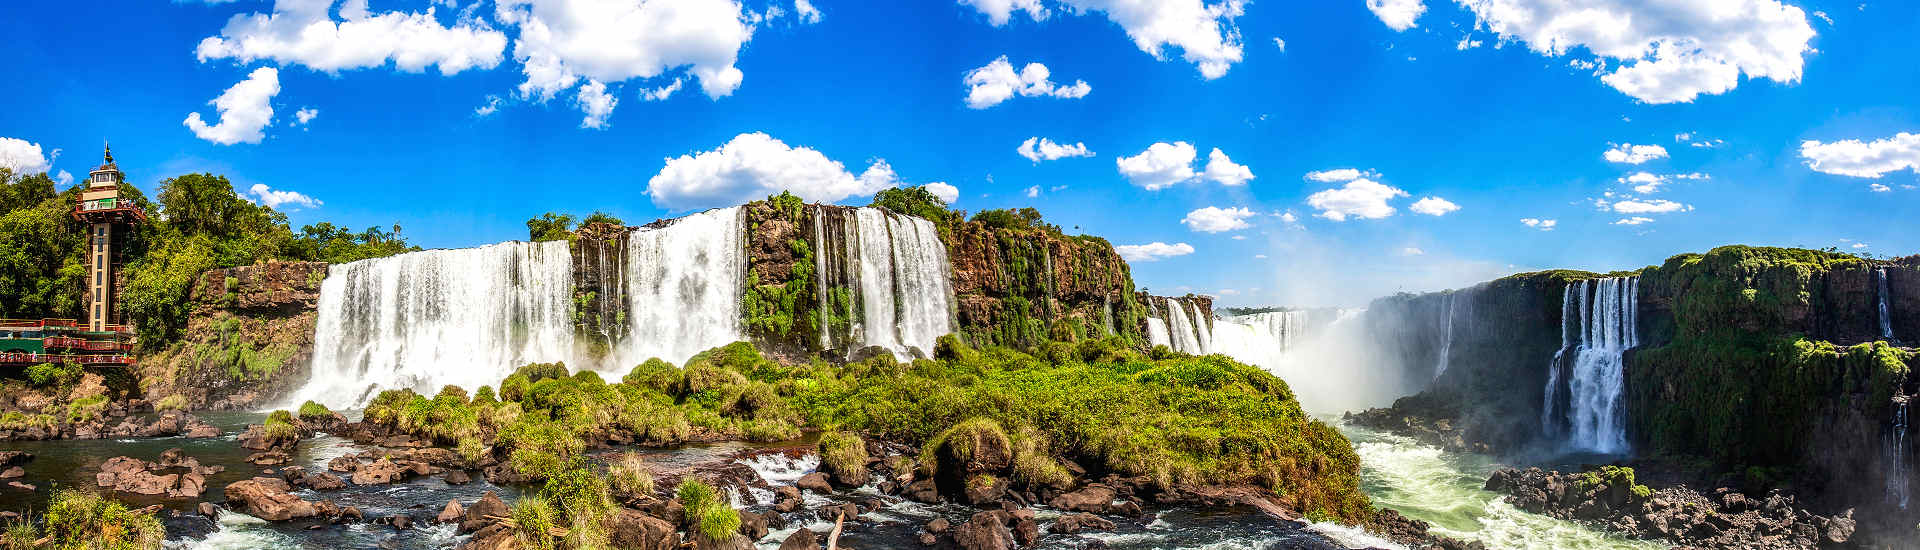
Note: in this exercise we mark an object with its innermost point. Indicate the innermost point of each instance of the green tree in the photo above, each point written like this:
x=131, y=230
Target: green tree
x=549, y=227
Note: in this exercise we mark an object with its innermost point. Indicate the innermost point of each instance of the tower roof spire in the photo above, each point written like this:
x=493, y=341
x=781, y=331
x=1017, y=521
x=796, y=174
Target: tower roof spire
x=109, y=151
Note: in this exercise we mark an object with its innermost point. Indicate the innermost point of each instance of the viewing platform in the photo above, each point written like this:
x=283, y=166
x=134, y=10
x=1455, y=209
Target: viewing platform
x=27, y=342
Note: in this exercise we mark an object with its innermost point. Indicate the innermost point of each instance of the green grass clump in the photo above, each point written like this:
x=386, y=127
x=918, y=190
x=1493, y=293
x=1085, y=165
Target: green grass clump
x=962, y=441
x=713, y=518
x=314, y=411
x=629, y=475
x=843, y=453
x=54, y=375
x=175, y=402
x=78, y=520
x=86, y=409
x=533, y=521
x=280, y=425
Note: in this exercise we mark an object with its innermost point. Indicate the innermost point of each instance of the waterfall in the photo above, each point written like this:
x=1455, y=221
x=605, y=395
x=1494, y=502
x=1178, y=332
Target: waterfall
x=895, y=269
x=422, y=320
x=1900, y=448
x=1886, y=322
x=1446, y=340
x=1184, y=337
x=1608, y=329
x=1157, y=333
x=1549, y=419
x=683, y=283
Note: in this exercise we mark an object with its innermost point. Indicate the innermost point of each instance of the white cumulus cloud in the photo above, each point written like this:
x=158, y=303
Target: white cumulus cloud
x=1160, y=166
x=276, y=198
x=1205, y=33
x=1662, y=52
x=1152, y=252
x=804, y=10
x=997, y=82
x=1540, y=224
x=1214, y=219
x=752, y=166
x=1433, y=206
x=1360, y=198
x=1646, y=206
x=1398, y=14
x=594, y=100
x=302, y=32
x=946, y=192
x=22, y=156
x=1635, y=220
x=1222, y=170
x=564, y=43
x=245, y=109
x=1340, y=174
x=1863, y=159
x=1038, y=149
x=304, y=116
x=1628, y=153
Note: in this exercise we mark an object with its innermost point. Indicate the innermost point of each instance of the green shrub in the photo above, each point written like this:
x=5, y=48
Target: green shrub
x=314, y=411
x=80, y=520
x=713, y=518
x=175, y=402
x=280, y=425
x=54, y=375
x=578, y=491
x=86, y=409
x=533, y=522
x=658, y=375
x=844, y=453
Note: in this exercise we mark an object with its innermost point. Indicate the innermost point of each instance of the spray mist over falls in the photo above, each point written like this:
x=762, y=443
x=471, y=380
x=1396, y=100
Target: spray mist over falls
x=425, y=319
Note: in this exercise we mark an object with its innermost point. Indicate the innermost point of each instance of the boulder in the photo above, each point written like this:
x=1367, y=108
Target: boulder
x=494, y=537
x=1076, y=523
x=488, y=505
x=939, y=526
x=754, y=526
x=268, y=499
x=816, y=482
x=802, y=539
x=984, y=489
x=14, y=459
x=452, y=513
x=925, y=491
x=343, y=464
x=269, y=458
x=1026, y=532
x=984, y=531
x=377, y=472
x=636, y=530
x=202, y=430
x=209, y=510
x=1096, y=499
x=323, y=481
x=457, y=477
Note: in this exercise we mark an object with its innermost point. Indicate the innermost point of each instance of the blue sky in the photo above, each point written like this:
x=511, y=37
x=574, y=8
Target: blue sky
x=1776, y=123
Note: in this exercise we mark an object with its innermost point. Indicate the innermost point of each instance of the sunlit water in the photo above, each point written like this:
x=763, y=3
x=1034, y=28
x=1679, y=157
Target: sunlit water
x=1445, y=489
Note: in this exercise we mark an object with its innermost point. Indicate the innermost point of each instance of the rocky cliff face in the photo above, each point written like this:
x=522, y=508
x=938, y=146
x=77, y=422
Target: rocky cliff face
x=599, y=285
x=1485, y=374
x=248, y=339
x=1017, y=287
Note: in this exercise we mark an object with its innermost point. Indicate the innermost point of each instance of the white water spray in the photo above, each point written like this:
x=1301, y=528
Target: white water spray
x=1899, y=448
x=1549, y=419
x=422, y=320
x=1446, y=340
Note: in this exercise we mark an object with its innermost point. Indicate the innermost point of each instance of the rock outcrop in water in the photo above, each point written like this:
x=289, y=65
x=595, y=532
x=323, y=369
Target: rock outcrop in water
x=1609, y=496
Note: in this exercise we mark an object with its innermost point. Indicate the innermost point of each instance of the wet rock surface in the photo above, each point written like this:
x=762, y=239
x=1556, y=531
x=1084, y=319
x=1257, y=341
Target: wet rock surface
x=1724, y=518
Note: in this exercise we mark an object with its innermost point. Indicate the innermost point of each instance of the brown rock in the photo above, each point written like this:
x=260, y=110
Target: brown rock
x=452, y=513
x=377, y=472
x=488, y=505
x=635, y=530
x=803, y=539
x=984, y=531
x=494, y=537
x=267, y=498
x=1068, y=525
x=816, y=482
x=457, y=477
x=1095, y=499
x=13, y=473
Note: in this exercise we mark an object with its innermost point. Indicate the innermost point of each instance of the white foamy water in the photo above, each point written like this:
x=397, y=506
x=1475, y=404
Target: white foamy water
x=780, y=469
x=422, y=320
x=683, y=285
x=1608, y=313
x=898, y=273
x=236, y=531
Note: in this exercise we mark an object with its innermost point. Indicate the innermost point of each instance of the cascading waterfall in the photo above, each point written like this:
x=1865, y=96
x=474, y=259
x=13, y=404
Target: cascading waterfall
x=1184, y=337
x=422, y=320
x=1900, y=448
x=1446, y=340
x=683, y=283
x=895, y=269
x=1608, y=329
x=1549, y=416
x=1886, y=321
